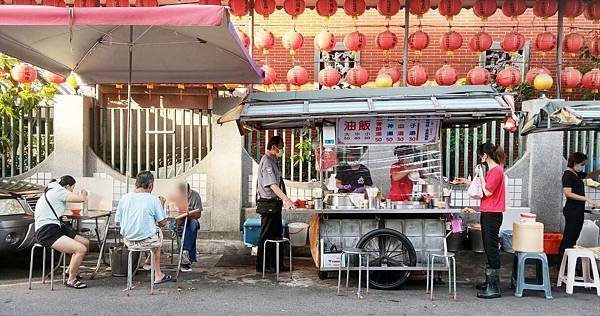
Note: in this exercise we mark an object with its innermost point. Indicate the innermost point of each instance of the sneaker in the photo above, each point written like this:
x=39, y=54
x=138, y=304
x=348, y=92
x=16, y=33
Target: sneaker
x=186, y=268
x=185, y=258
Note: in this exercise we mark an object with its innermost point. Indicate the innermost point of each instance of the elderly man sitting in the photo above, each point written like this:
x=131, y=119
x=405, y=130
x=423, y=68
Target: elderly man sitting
x=139, y=213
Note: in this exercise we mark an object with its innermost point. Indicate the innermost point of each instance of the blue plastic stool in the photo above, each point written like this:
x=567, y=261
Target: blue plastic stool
x=542, y=272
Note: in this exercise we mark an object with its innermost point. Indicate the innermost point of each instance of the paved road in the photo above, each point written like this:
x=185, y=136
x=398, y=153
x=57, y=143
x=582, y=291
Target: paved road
x=212, y=290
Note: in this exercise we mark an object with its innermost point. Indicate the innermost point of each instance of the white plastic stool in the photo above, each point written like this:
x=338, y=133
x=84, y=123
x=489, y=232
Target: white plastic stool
x=129, y=268
x=36, y=245
x=345, y=257
x=450, y=261
x=277, y=242
x=587, y=259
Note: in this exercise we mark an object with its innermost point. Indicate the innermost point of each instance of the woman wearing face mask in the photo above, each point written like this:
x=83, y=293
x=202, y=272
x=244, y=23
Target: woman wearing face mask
x=574, y=190
x=353, y=177
x=401, y=186
x=50, y=207
x=493, y=204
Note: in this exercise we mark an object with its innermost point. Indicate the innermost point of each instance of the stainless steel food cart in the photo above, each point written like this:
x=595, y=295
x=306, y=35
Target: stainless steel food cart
x=399, y=239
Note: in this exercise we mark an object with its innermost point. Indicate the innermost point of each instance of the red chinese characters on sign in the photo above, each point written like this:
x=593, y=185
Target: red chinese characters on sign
x=387, y=131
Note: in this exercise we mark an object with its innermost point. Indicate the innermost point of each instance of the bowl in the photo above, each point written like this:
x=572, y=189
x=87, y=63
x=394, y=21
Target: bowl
x=76, y=211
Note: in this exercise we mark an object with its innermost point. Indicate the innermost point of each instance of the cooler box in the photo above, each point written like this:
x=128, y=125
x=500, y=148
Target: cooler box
x=252, y=231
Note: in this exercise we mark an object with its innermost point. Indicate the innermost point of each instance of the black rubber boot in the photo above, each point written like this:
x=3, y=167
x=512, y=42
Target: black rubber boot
x=492, y=289
x=482, y=286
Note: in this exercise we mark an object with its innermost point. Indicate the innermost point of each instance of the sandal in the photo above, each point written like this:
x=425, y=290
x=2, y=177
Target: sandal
x=76, y=284
x=78, y=277
x=165, y=279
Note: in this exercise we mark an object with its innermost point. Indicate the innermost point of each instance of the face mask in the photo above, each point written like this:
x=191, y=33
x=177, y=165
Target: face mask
x=353, y=163
x=579, y=168
x=279, y=153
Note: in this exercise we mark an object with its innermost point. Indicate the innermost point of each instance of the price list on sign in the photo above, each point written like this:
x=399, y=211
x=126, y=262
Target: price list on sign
x=375, y=130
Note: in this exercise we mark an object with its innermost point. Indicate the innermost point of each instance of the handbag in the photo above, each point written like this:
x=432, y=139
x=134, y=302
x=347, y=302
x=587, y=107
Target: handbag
x=65, y=227
x=475, y=190
x=268, y=207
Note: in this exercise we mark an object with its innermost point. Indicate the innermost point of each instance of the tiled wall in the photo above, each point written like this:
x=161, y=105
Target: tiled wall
x=515, y=197
x=40, y=178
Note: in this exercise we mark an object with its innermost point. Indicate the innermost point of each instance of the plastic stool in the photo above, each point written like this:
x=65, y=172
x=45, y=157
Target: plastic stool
x=36, y=245
x=448, y=256
x=277, y=242
x=541, y=284
x=346, y=254
x=129, y=268
x=570, y=257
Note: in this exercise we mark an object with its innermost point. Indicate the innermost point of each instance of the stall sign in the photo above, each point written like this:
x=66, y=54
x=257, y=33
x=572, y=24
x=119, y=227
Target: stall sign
x=378, y=130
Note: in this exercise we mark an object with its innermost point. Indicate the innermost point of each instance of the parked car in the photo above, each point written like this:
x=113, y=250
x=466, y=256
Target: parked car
x=17, y=203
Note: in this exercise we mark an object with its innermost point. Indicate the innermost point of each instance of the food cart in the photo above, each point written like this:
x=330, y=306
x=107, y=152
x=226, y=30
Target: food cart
x=384, y=128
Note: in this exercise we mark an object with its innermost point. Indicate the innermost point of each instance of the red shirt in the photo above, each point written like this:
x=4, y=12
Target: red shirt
x=495, y=184
x=401, y=189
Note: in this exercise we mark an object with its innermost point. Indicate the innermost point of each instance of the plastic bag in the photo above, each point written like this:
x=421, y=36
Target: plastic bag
x=475, y=190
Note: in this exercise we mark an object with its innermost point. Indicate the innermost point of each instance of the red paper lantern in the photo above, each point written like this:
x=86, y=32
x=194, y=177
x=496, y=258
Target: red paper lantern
x=418, y=41
x=544, y=42
x=446, y=76
x=572, y=9
x=591, y=80
x=265, y=40
x=56, y=79
x=292, y=41
x=355, y=8
x=209, y=2
x=513, y=42
x=595, y=46
x=545, y=8
x=264, y=7
x=329, y=77
x=513, y=8
x=479, y=76
x=117, y=3
x=416, y=76
x=326, y=8
x=85, y=3
x=355, y=41
x=480, y=42
x=388, y=8
x=270, y=75
x=297, y=76
x=573, y=43
x=450, y=42
x=509, y=77
x=244, y=38
x=386, y=41
x=357, y=76
x=54, y=3
x=533, y=72
x=570, y=78
x=419, y=7
x=325, y=41
x=449, y=8
x=238, y=8
x=294, y=7
x=393, y=72
x=592, y=11
x=484, y=8
x=150, y=3
x=23, y=73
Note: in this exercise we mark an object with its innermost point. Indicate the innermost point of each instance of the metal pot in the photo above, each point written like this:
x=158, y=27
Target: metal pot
x=344, y=200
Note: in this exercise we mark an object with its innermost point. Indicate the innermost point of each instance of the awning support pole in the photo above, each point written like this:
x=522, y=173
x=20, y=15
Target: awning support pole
x=251, y=31
x=559, y=47
x=405, y=48
x=128, y=160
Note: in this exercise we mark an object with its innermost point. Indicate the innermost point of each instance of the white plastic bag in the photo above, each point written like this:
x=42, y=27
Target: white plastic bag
x=475, y=190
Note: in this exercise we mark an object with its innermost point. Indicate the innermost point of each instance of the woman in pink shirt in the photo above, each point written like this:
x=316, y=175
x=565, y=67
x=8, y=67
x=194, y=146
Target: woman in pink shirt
x=493, y=204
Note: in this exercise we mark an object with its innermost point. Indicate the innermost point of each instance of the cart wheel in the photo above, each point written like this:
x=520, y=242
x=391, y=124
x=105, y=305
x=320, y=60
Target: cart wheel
x=388, y=248
x=323, y=275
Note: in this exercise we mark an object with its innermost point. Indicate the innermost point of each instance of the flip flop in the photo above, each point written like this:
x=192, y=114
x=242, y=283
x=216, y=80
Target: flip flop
x=76, y=284
x=165, y=279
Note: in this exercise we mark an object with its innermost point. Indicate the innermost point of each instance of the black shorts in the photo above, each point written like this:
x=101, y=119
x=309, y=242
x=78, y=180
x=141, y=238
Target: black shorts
x=47, y=235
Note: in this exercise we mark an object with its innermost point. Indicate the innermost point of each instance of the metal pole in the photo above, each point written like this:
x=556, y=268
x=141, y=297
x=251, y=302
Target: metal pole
x=128, y=150
x=405, y=48
x=559, y=47
x=251, y=31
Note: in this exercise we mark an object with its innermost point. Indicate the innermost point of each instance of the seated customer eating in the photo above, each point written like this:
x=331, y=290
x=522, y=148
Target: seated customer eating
x=139, y=213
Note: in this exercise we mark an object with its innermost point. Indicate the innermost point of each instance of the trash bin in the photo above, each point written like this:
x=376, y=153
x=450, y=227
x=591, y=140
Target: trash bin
x=476, y=238
x=297, y=232
x=118, y=261
x=455, y=242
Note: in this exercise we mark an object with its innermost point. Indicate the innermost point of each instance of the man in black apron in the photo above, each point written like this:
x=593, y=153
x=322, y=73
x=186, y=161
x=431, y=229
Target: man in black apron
x=270, y=199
